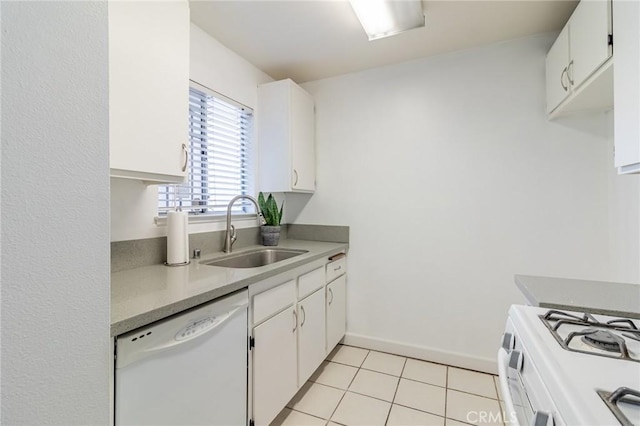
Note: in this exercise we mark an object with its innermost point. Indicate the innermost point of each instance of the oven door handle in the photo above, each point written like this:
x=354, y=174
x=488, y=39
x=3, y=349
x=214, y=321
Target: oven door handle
x=503, y=364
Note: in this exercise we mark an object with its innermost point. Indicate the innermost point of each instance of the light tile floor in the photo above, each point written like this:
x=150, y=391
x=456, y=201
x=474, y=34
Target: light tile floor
x=356, y=386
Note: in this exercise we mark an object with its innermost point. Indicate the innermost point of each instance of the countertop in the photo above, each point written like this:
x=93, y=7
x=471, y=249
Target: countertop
x=598, y=297
x=144, y=295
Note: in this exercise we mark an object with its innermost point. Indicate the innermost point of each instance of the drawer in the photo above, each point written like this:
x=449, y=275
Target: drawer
x=272, y=301
x=336, y=268
x=310, y=282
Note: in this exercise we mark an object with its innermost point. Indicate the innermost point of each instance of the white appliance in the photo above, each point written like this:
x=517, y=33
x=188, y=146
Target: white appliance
x=190, y=369
x=568, y=368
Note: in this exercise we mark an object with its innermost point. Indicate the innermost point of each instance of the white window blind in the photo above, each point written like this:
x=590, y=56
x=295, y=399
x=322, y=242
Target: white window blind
x=219, y=166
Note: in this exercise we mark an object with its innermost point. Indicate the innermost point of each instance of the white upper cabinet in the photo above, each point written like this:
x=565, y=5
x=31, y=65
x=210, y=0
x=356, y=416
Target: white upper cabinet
x=589, y=29
x=149, y=89
x=286, y=136
x=579, y=75
x=626, y=35
x=556, y=67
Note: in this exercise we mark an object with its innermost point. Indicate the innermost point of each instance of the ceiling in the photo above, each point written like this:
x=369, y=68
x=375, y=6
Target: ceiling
x=313, y=39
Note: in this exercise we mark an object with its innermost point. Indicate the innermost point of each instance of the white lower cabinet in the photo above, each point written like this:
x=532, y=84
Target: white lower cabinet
x=311, y=345
x=293, y=327
x=274, y=365
x=336, y=311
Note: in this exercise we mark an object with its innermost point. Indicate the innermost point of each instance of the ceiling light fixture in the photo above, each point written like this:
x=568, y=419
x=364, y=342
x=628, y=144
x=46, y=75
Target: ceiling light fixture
x=384, y=18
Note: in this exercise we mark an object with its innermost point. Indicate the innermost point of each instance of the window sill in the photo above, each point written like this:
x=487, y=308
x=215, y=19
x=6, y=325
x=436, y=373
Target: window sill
x=162, y=220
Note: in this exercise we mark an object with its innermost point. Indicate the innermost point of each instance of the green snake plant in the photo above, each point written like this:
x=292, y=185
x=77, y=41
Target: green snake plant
x=269, y=210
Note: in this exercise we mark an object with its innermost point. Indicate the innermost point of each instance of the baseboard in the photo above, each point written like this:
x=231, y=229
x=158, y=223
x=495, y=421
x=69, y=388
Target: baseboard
x=456, y=359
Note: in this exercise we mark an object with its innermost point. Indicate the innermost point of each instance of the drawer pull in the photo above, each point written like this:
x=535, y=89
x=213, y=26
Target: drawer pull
x=338, y=268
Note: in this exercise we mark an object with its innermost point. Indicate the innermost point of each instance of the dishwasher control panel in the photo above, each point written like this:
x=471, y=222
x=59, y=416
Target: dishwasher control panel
x=196, y=327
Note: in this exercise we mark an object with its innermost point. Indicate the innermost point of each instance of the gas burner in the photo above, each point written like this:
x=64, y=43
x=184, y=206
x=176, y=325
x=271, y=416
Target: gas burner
x=596, y=337
x=602, y=339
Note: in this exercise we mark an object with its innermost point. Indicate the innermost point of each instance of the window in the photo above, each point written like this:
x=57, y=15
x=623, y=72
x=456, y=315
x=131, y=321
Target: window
x=219, y=166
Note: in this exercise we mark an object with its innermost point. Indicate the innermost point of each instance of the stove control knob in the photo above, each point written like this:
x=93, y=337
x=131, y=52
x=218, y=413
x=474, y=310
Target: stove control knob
x=540, y=418
x=515, y=360
x=508, y=341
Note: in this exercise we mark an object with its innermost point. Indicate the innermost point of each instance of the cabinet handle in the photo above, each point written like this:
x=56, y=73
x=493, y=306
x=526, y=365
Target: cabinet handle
x=564, y=71
x=186, y=157
x=569, y=72
x=304, y=316
x=295, y=321
x=295, y=172
x=331, y=300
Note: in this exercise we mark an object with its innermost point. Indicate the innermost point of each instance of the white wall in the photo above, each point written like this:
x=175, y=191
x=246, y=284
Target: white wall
x=55, y=215
x=453, y=180
x=133, y=204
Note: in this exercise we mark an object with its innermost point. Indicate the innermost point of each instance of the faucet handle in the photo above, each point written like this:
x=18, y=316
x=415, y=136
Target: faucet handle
x=234, y=237
x=261, y=219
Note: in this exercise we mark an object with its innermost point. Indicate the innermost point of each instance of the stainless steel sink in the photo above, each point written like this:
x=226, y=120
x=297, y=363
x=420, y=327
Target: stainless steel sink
x=254, y=258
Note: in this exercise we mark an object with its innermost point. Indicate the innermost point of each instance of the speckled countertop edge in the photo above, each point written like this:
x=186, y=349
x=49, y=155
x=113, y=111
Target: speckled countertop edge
x=590, y=309
x=560, y=293
x=144, y=295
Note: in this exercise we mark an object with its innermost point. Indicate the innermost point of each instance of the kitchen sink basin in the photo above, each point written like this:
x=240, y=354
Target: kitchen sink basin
x=254, y=258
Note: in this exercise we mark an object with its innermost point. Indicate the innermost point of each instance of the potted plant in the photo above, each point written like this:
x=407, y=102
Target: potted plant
x=272, y=216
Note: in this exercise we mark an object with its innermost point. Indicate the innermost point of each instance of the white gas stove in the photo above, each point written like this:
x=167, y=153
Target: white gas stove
x=570, y=368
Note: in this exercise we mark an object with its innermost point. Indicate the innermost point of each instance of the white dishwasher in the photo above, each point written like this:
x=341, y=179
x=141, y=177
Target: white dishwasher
x=190, y=369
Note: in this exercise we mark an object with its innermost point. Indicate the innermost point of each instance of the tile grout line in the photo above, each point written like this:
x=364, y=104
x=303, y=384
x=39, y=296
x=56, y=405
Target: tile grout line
x=446, y=394
x=306, y=414
x=419, y=410
x=404, y=365
x=347, y=390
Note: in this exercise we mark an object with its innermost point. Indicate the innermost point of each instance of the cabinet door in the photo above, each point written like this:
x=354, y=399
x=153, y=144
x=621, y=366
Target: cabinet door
x=274, y=365
x=311, y=337
x=336, y=311
x=556, y=70
x=627, y=85
x=588, y=39
x=303, y=167
x=148, y=89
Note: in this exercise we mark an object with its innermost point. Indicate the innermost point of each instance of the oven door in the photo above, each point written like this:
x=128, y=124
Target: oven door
x=517, y=408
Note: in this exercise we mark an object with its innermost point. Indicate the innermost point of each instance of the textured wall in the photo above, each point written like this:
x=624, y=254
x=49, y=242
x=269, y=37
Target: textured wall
x=55, y=214
x=452, y=180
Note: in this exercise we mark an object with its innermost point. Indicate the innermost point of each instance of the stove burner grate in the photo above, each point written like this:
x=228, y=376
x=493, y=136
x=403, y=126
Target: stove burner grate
x=602, y=339
x=624, y=394
x=596, y=334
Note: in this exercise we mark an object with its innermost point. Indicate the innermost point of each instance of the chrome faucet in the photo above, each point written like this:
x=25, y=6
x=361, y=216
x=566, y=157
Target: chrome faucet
x=230, y=236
